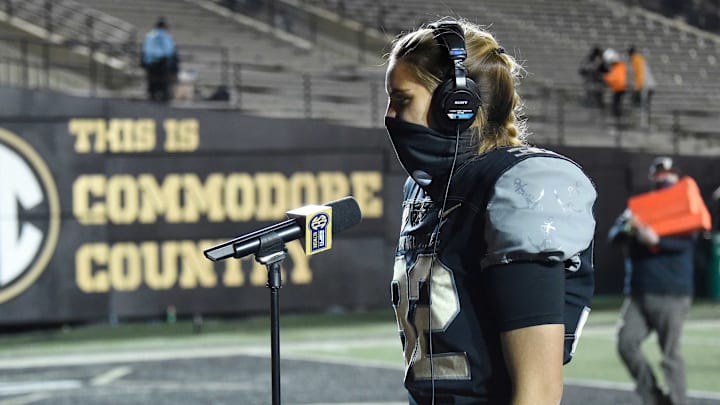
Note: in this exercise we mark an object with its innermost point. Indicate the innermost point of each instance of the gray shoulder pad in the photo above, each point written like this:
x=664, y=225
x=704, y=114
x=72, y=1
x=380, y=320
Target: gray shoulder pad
x=541, y=210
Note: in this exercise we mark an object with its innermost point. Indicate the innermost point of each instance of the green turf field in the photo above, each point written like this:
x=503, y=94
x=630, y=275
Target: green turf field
x=365, y=337
x=596, y=357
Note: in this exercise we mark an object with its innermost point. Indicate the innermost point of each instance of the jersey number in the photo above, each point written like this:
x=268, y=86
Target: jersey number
x=413, y=320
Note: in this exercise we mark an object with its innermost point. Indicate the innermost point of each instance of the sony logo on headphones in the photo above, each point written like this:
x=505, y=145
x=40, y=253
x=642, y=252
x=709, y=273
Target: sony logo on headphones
x=460, y=102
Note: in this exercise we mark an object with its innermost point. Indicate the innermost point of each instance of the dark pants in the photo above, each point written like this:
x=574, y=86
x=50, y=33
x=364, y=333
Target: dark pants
x=594, y=94
x=641, y=100
x=617, y=100
x=158, y=81
x=664, y=314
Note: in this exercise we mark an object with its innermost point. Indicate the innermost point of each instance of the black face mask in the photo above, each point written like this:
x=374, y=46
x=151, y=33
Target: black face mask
x=659, y=185
x=425, y=154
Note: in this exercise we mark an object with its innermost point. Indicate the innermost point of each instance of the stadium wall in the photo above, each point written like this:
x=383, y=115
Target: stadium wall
x=107, y=206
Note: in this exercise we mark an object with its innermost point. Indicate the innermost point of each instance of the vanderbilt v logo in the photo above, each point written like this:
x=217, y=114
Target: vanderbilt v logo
x=29, y=215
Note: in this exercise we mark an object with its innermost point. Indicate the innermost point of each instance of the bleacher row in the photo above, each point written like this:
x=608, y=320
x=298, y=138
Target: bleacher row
x=552, y=36
x=288, y=71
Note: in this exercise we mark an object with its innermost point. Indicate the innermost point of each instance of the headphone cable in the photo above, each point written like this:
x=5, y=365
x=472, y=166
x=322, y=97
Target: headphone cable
x=432, y=263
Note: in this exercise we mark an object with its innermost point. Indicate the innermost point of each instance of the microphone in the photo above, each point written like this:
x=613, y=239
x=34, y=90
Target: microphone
x=309, y=223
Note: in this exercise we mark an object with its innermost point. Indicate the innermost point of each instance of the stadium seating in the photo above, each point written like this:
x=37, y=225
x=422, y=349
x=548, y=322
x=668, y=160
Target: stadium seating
x=250, y=57
x=283, y=68
x=552, y=37
x=63, y=46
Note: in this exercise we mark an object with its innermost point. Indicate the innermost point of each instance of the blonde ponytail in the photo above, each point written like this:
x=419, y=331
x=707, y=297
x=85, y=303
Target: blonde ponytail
x=497, y=73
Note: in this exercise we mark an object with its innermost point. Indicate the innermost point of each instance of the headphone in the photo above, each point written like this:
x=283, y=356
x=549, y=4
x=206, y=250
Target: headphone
x=456, y=101
x=453, y=108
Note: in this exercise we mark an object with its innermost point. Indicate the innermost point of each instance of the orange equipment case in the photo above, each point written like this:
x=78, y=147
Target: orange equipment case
x=674, y=210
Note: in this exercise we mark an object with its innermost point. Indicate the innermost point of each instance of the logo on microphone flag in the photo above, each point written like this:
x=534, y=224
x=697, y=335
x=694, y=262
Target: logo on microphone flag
x=319, y=235
x=318, y=227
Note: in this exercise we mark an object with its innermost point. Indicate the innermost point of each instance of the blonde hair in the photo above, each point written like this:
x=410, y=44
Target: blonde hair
x=496, y=73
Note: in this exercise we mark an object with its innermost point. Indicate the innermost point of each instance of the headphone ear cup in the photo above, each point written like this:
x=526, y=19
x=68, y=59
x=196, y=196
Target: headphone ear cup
x=439, y=119
x=452, y=108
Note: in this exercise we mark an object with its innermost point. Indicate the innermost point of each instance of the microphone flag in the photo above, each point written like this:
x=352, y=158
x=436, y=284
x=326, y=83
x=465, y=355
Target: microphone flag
x=313, y=224
x=316, y=220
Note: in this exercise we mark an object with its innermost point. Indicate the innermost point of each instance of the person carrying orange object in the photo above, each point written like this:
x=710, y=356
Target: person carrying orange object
x=615, y=78
x=659, y=289
x=679, y=209
x=716, y=203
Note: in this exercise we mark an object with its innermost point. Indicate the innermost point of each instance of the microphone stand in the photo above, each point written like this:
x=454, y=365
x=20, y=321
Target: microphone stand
x=271, y=253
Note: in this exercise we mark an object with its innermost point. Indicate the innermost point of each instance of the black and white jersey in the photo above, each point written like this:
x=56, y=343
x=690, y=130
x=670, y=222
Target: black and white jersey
x=510, y=214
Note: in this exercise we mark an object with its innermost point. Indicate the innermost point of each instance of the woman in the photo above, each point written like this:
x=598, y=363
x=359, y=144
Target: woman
x=493, y=273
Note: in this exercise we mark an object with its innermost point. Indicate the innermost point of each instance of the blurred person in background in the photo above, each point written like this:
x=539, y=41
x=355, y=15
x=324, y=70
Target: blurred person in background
x=591, y=70
x=643, y=84
x=160, y=60
x=185, y=86
x=658, y=288
x=616, y=79
x=493, y=272
x=716, y=208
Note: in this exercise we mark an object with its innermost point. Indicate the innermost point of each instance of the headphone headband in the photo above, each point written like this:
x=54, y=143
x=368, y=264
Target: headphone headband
x=451, y=35
x=456, y=100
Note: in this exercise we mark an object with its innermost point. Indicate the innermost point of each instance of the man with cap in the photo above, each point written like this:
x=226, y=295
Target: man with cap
x=160, y=61
x=659, y=289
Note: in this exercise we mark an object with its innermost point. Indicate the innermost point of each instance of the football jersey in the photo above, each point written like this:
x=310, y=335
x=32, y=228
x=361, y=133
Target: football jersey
x=514, y=204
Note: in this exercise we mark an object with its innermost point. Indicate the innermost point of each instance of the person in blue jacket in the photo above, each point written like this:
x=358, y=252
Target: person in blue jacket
x=659, y=289
x=160, y=61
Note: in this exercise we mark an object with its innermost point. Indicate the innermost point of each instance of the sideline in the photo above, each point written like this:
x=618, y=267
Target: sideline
x=610, y=385
x=332, y=350
x=290, y=351
x=192, y=351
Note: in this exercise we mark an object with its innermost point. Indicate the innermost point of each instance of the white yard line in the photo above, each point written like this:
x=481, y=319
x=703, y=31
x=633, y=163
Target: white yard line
x=691, y=324
x=609, y=332
x=110, y=375
x=189, y=352
x=25, y=399
x=14, y=388
x=140, y=355
x=155, y=385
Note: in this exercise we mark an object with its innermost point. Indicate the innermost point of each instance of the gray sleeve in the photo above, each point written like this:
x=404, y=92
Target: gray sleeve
x=541, y=210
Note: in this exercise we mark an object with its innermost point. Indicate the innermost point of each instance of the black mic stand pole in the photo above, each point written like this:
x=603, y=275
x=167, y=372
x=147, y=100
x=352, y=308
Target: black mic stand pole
x=271, y=253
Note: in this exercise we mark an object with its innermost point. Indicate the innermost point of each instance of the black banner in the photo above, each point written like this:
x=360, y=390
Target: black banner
x=106, y=215
x=107, y=206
